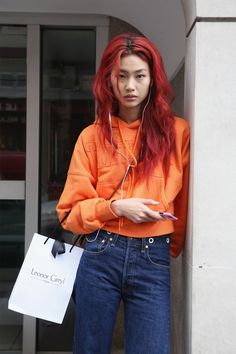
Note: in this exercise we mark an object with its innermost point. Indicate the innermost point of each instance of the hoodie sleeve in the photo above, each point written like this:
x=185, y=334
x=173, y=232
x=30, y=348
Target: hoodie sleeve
x=88, y=211
x=181, y=200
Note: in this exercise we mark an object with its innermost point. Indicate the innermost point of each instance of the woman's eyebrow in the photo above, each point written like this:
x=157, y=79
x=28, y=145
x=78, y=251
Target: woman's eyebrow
x=136, y=71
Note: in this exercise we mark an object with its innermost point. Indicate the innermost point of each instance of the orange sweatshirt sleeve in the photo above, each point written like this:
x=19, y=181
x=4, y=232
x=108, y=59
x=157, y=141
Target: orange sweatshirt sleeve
x=181, y=200
x=89, y=212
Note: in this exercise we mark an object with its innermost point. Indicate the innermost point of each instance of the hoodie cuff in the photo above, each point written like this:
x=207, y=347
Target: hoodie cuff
x=105, y=212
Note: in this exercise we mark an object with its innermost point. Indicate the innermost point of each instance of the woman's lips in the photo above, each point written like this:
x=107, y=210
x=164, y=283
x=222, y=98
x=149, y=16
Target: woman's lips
x=130, y=98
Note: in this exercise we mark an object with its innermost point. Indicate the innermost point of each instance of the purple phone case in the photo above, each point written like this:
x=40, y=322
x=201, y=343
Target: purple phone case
x=169, y=215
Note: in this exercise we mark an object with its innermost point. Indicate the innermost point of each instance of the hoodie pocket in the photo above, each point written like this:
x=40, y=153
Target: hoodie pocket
x=96, y=245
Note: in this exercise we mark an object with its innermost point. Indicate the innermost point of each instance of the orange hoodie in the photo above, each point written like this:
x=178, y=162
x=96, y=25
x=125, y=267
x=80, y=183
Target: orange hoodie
x=95, y=172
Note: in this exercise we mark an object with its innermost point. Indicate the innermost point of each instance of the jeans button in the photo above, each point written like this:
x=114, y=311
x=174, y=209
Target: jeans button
x=151, y=240
x=167, y=240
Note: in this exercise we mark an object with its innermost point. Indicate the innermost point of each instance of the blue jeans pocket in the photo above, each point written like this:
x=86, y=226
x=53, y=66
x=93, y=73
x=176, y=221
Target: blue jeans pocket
x=158, y=252
x=96, y=245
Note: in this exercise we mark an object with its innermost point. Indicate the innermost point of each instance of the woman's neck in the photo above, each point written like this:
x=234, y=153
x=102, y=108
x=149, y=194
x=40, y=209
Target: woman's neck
x=129, y=115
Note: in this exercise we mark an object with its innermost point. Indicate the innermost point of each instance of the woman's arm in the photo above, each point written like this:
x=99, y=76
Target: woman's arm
x=89, y=212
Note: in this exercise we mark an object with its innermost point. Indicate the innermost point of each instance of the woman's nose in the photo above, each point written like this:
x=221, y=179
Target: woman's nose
x=130, y=85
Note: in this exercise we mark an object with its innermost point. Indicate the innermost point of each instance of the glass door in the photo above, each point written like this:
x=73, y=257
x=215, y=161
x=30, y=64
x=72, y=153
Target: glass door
x=13, y=42
x=67, y=106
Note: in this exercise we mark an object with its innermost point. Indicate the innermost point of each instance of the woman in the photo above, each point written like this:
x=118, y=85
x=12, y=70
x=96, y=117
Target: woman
x=127, y=177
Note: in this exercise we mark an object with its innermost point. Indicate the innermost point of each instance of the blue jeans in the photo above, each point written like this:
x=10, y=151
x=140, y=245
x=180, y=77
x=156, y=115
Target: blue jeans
x=135, y=270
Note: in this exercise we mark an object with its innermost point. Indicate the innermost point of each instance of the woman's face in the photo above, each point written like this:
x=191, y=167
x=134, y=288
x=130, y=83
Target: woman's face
x=131, y=85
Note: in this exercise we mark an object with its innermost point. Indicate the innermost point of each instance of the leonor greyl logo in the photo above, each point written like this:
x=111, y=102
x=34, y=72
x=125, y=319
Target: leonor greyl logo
x=49, y=278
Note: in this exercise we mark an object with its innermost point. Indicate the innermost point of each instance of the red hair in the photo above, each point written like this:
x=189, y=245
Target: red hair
x=158, y=135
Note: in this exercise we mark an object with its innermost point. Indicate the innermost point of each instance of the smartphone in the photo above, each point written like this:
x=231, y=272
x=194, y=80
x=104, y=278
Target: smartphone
x=168, y=215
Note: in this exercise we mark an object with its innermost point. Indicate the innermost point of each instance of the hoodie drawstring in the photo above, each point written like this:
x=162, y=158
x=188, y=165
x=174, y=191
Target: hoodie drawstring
x=133, y=163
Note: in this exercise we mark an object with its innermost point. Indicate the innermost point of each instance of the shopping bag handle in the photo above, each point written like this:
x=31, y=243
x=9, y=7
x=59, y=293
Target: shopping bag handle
x=58, y=245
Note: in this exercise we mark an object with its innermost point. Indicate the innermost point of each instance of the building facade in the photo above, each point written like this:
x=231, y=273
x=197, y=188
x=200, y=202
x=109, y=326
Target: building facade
x=49, y=51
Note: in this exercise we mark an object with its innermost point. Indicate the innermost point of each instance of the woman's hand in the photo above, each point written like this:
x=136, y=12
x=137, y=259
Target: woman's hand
x=136, y=209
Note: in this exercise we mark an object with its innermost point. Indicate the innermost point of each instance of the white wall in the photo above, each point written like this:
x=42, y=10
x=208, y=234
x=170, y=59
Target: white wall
x=161, y=21
x=210, y=261
x=207, y=8
x=190, y=12
x=218, y=8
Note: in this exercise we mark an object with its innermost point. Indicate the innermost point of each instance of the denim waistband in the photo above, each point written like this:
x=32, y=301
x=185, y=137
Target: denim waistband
x=137, y=241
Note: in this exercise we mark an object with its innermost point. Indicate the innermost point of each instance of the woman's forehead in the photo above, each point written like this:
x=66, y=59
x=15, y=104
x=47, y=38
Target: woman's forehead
x=132, y=63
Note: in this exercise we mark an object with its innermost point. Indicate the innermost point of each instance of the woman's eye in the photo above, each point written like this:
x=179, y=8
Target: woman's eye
x=121, y=76
x=140, y=76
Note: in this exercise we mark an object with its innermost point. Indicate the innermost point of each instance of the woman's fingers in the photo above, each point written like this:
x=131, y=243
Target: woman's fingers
x=147, y=215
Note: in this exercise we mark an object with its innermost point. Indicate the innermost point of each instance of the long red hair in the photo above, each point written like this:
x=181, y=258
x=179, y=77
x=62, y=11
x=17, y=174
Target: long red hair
x=158, y=134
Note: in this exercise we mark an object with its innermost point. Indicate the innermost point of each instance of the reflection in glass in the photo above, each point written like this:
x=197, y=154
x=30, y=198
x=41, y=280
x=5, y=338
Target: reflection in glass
x=12, y=221
x=68, y=67
x=12, y=102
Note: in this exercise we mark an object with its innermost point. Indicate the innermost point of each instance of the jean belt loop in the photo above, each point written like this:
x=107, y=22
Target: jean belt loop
x=114, y=239
x=143, y=244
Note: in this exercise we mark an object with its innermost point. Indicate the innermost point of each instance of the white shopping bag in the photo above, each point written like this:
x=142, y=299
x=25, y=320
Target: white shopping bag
x=44, y=285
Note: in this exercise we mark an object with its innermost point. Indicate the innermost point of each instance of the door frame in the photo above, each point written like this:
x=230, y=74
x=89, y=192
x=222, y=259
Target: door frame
x=28, y=190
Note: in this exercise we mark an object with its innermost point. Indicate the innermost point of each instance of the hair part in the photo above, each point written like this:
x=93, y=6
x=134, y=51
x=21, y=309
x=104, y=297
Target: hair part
x=158, y=122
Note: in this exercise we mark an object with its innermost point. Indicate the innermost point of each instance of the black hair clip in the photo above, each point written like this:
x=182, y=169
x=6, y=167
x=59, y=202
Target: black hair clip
x=129, y=44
